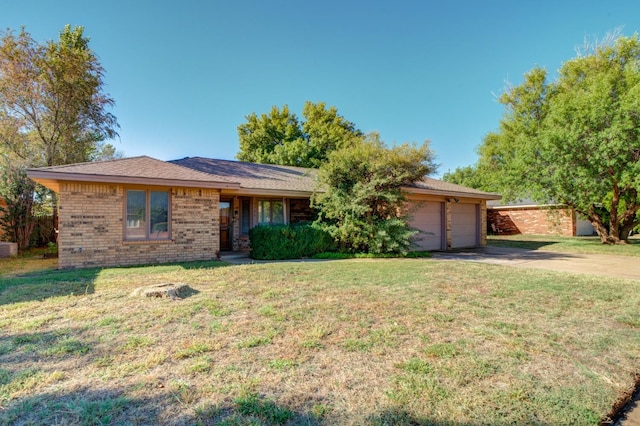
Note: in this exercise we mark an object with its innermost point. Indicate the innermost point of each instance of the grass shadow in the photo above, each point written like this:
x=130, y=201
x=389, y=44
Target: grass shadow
x=41, y=285
x=522, y=244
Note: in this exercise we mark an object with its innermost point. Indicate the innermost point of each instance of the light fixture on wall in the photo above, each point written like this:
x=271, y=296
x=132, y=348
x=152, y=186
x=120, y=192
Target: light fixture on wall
x=456, y=199
x=448, y=200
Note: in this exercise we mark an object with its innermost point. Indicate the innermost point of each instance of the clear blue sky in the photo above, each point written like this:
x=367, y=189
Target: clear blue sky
x=184, y=74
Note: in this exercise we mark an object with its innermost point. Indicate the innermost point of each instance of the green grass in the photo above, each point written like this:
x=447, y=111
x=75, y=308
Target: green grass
x=358, y=341
x=584, y=245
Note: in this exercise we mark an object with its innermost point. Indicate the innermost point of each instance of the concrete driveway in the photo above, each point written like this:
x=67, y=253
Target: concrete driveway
x=593, y=264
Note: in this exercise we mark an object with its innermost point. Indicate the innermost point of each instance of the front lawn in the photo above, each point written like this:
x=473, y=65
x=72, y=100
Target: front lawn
x=363, y=341
x=585, y=245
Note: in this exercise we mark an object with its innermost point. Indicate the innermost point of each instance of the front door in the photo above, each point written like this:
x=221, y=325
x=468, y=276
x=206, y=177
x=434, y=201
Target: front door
x=225, y=229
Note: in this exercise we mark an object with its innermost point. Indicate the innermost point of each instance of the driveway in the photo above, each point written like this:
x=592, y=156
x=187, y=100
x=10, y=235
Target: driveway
x=593, y=264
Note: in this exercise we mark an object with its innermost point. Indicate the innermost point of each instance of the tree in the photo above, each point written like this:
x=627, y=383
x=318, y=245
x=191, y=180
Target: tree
x=53, y=109
x=273, y=138
x=16, y=219
x=280, y=138
x=471, y=177
x=362, y=204
x=576, y=140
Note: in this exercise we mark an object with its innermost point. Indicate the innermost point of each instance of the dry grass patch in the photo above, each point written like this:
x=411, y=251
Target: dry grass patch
x=585, y=245
x=387, y=341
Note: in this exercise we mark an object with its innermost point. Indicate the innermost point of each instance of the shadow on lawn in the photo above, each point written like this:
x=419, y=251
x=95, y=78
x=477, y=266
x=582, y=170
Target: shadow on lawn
x=39, y=286
x=101, y=405
x=522, y=244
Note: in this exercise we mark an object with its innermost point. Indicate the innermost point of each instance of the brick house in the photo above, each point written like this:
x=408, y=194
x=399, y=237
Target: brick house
x=141, y=210
x=528, y=218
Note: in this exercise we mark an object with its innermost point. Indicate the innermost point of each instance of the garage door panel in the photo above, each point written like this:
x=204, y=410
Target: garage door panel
x=464, y=225
x=427, y=218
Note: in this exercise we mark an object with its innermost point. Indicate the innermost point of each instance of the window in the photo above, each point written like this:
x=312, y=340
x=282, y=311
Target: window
x=270, y=212
x=147, y=215
x=245, y=215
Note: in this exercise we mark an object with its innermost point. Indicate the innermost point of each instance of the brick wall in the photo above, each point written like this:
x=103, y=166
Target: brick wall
x=92, y=233
x=531, y=221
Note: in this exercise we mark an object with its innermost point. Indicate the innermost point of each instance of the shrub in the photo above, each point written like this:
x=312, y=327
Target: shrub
x=275, y=242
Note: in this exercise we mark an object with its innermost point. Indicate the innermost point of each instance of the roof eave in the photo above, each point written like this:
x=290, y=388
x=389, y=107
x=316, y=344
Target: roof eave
x=268, y=192
x=482, y=196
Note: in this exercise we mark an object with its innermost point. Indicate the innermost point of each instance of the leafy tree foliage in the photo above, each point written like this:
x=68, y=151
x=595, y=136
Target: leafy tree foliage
x=53, y=109
x=280, y=138
x=471, y=177
x=16, y=219
x=576, y=140
x=363, y=206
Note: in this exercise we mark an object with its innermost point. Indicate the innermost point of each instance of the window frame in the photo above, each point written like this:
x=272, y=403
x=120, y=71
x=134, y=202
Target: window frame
x=271, y=201
x=148, y=234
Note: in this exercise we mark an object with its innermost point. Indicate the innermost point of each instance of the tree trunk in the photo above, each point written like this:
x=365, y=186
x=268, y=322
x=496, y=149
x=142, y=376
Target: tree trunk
x=614, y=230
x=598, y=224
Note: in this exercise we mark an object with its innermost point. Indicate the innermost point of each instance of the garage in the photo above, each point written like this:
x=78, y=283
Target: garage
x=464, y=225
x=427, y=217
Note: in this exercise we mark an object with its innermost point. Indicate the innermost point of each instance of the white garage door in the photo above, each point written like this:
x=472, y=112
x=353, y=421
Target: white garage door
x=464, y=225
x=427, y=217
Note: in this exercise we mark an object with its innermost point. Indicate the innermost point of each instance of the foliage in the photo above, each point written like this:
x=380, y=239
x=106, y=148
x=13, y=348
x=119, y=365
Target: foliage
x=288, y=241
x=16, y=219
x=363, y=206
x=53, y=109
x=576, y=140
x=280, y=138
x=471, y=177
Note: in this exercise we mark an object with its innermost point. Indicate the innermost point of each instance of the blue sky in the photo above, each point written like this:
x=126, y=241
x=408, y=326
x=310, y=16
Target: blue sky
x=185, y=74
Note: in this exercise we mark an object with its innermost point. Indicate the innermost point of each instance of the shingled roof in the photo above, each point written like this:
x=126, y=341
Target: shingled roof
x=288, y=178
x=434, y=186
x=202, y=172
x=135, y=170
x=254, y=175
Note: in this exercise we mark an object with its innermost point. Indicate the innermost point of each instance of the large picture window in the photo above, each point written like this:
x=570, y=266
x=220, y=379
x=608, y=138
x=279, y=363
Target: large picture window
x=147, y=215
x=270, y=212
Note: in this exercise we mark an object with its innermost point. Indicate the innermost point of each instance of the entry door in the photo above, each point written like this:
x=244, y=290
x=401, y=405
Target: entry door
x=225, y=234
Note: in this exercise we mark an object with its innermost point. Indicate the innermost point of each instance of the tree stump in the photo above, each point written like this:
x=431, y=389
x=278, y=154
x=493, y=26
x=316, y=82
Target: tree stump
x=171, y=290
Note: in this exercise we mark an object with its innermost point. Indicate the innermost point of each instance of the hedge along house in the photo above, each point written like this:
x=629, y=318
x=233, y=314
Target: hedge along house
x=141, y=210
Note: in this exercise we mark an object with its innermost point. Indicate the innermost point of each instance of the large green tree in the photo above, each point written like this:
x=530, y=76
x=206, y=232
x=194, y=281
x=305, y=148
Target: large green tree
x=575, y=140
x=361, y=203
x=53, y=109
x=279, y=137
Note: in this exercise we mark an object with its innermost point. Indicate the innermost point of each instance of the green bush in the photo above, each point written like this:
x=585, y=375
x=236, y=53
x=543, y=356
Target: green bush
x=273, y=242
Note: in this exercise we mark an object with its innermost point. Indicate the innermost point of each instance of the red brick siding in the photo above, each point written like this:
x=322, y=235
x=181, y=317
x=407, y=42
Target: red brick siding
x=531, y=221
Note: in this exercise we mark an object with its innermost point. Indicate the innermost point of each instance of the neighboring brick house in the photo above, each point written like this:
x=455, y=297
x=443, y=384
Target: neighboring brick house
x=528, y=218
x=141, y=210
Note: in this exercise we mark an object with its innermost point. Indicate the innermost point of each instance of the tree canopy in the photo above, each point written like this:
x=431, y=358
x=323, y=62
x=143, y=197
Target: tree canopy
x=575, y=140
x=362, y=204
x=280, y=138
x=53, y=109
